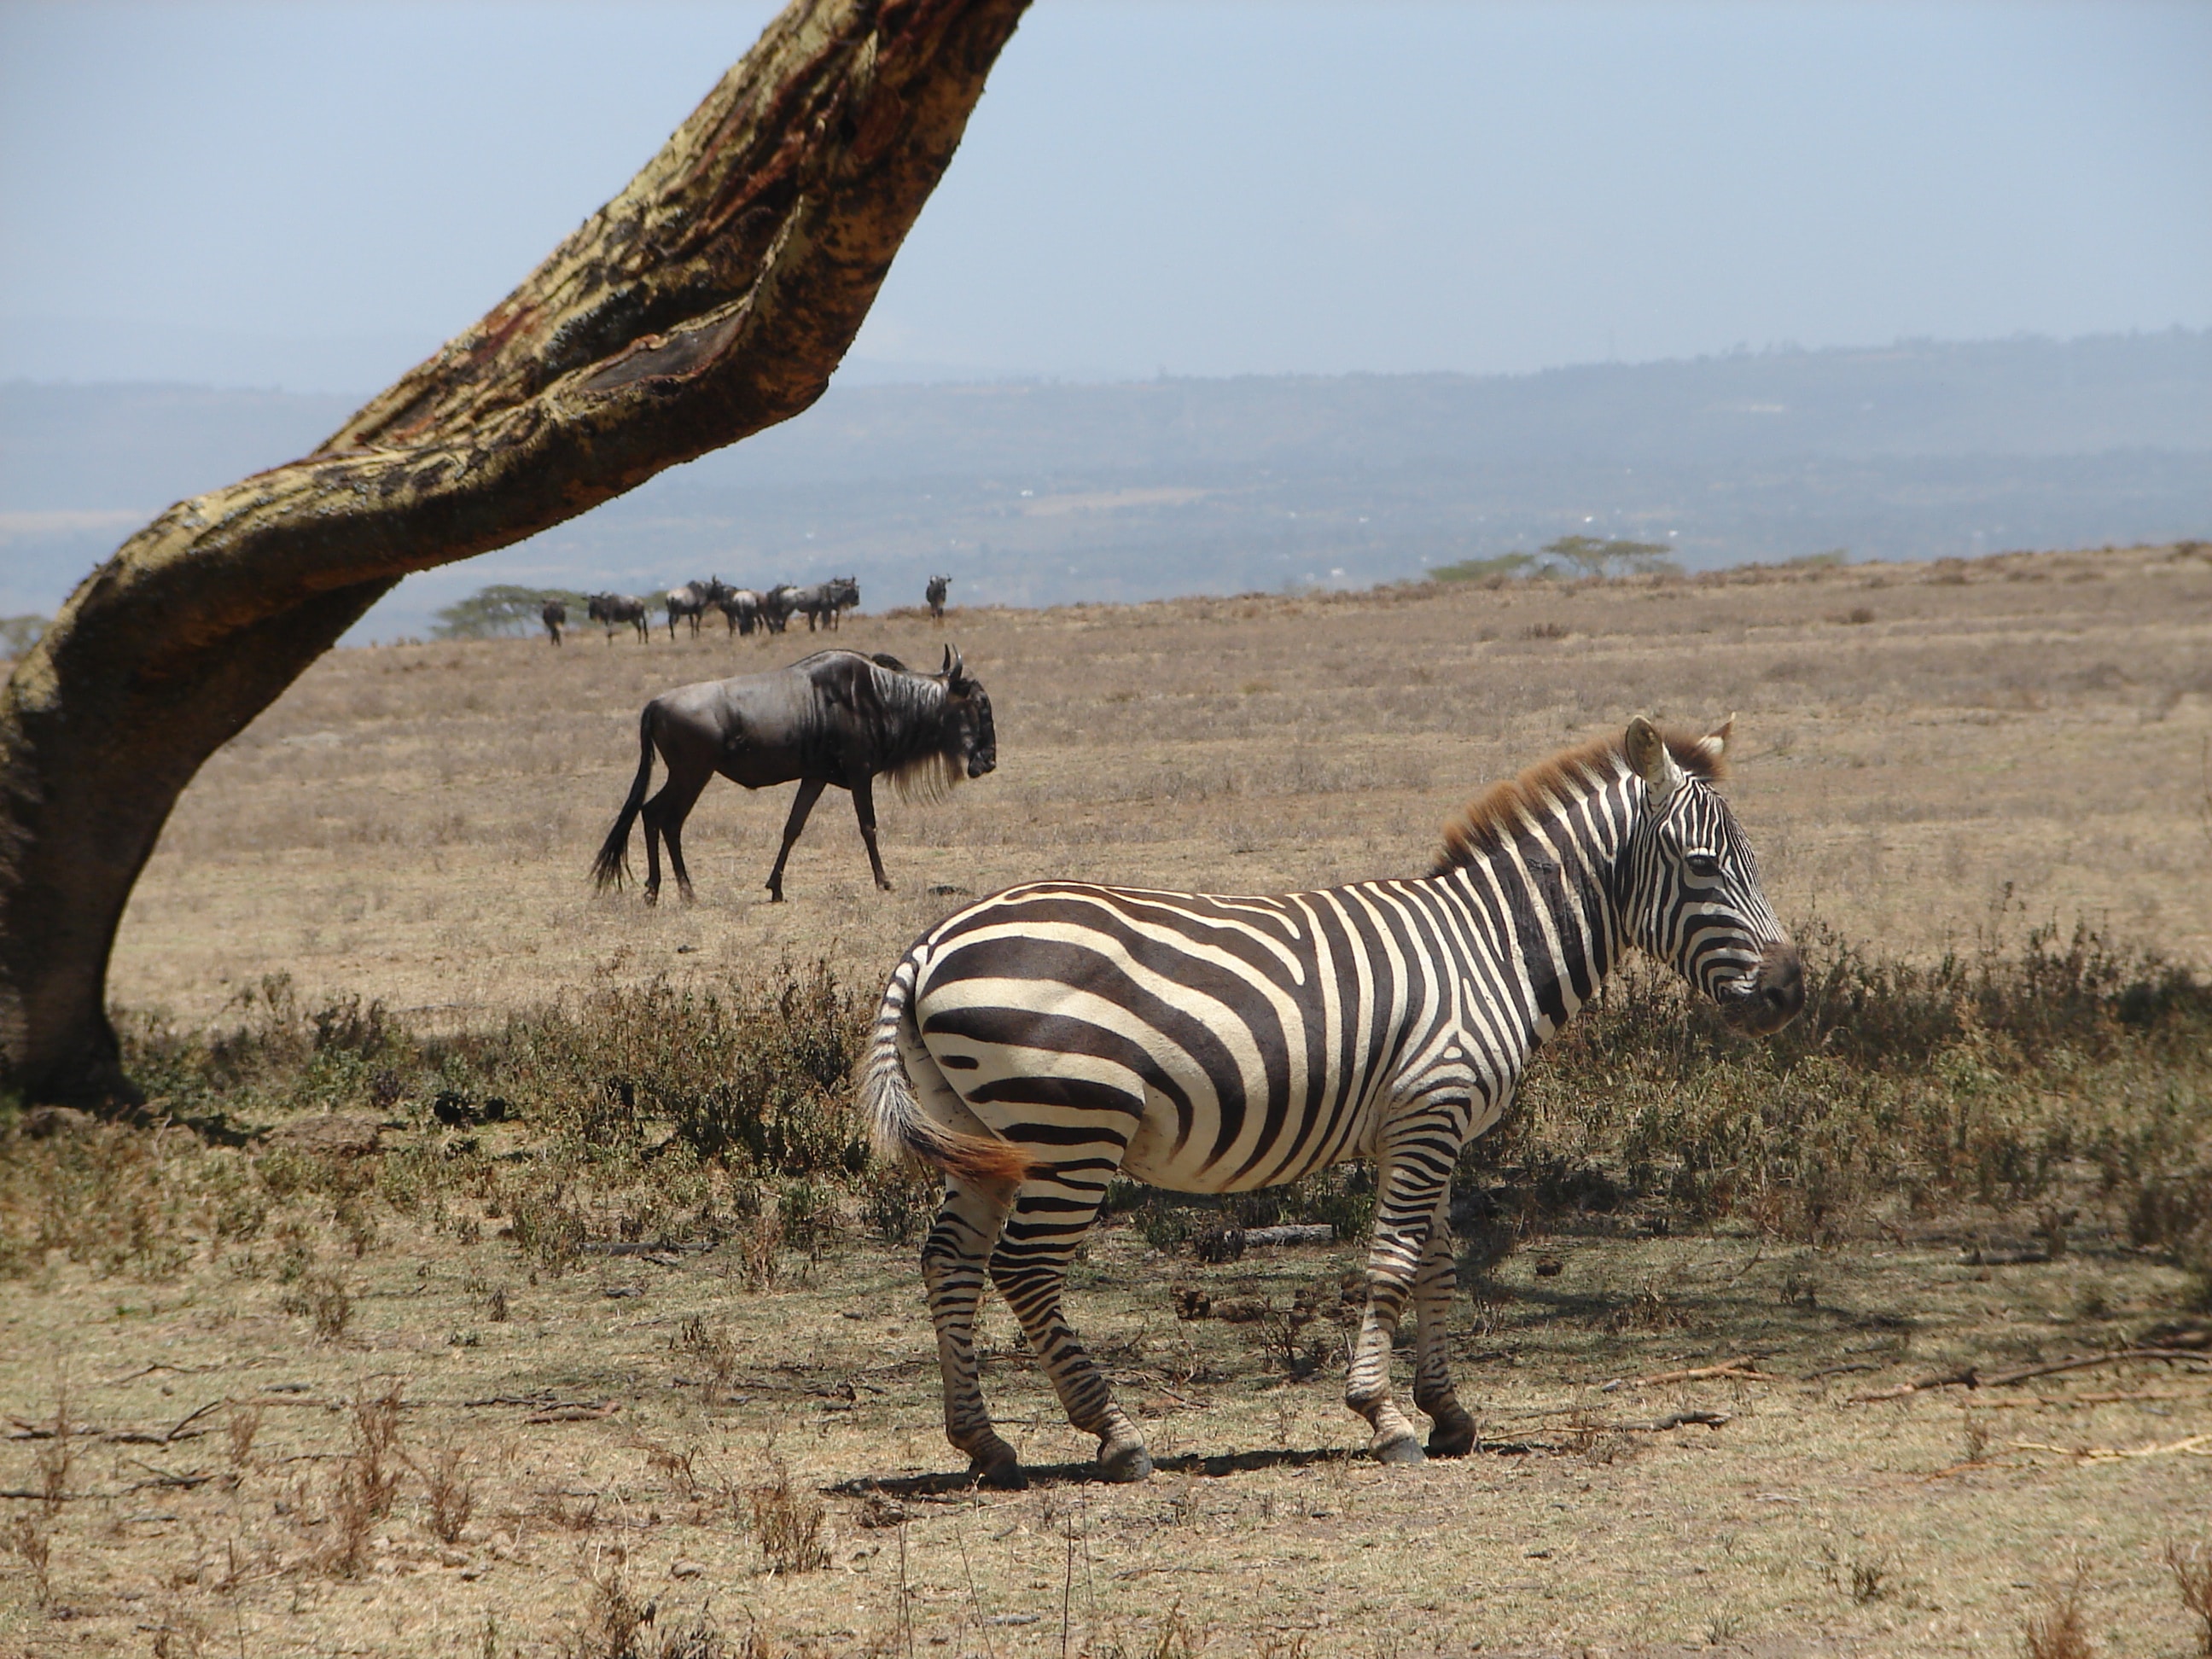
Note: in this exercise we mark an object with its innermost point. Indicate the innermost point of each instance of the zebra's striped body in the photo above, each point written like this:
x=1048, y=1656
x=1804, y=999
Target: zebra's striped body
x=1059, y=1034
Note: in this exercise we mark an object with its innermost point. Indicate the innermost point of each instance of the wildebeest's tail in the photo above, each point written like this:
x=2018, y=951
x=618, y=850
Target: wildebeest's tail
x=613, y=864
x=899, y=1125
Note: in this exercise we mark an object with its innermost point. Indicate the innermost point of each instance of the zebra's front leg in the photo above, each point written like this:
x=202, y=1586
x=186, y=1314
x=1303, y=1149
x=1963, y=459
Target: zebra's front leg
x=1030, y=1270
x=1411, y=1195
x=953, y=1262
x=1451, y=1433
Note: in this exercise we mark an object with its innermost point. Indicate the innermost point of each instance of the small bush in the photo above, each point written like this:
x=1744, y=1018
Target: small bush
x=30, y=1543
x=2059, y=1629
x=323, y=1300
x=2191, y=1568
x=788, y=1525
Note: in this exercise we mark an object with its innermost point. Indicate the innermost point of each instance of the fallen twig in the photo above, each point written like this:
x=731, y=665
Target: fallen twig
x=1303, y=1232
x=1745, y=1370
x=1672, y=1420
x=1966, y=1376
x=147, y=1370
x=189, y=1418
x=575, y=1412
x=2197, y=1445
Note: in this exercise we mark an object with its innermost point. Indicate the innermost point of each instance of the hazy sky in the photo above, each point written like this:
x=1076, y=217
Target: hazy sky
x=315, y=194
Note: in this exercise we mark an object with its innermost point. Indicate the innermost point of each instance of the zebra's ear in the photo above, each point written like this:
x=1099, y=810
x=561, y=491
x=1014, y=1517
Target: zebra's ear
x=1716, y=742
x=1647, y=753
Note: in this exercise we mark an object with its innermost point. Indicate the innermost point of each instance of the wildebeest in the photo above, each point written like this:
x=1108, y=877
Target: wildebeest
x=614, y=609
x=776, y=607
x=822, y=601
x=741, y=610
x=837, y=717
x=690, y=601
x=935, y=592
x=555, y=616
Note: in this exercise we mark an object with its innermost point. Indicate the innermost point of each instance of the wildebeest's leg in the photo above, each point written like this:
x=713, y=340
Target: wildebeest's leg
x=1452, y=1431
x=664, y=816
x=1050, y=1217
x=1410, y=1191
x=952, y=1265
x=677, y=808
x=809, y=791
x=864, y=808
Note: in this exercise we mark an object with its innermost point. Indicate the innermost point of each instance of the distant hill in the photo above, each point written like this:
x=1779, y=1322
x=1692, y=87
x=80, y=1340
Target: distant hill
x=1039, y=492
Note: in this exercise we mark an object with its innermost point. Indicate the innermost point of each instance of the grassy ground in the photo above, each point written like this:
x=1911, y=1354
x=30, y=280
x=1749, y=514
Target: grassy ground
x=741, y=1419
x=505, y=1194
x=1926, y=752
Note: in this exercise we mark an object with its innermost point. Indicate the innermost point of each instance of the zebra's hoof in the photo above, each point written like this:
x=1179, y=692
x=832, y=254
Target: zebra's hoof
x=1003, y=1475
x=1404, y=1450
x=1452, y=1437
x=995, y=1464
x=1126, y=1463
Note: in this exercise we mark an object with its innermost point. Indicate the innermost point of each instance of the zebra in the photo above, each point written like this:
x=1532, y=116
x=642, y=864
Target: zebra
x=1038, y=1043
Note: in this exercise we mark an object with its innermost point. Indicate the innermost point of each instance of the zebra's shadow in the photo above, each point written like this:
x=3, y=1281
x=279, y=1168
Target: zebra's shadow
x=1083, y=1475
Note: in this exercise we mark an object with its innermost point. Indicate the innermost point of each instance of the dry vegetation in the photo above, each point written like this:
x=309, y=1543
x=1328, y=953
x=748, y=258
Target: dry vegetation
x=415, y=823
x=520, y=1284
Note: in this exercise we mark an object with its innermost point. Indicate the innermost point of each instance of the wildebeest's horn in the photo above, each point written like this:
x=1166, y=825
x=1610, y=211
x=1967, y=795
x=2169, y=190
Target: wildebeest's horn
x=945, y=667
x=959, y=664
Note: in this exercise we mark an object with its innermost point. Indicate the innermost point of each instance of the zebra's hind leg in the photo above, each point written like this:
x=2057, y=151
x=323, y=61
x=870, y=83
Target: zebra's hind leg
x=1451, y=1433
x=1412, y=1192
x=1030, y=1270
x=953, y=1262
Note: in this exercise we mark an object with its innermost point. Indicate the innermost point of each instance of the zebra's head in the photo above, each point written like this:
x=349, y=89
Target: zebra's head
x=1693, y=896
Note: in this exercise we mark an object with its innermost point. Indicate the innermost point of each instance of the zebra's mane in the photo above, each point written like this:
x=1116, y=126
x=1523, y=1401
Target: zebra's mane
x=1487, y=823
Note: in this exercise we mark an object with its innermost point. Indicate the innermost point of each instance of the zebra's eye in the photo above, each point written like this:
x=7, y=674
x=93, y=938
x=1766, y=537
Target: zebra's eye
x=1703, y=865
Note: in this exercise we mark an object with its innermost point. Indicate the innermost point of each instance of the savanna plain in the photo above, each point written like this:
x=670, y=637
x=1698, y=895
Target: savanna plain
x=498, y=1268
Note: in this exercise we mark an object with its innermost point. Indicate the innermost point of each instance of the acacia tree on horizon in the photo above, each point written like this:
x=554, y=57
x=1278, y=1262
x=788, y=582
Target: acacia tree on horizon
x=713, y=297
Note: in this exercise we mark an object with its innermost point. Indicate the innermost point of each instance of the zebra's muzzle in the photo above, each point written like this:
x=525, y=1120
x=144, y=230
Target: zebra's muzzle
x=1771, y=995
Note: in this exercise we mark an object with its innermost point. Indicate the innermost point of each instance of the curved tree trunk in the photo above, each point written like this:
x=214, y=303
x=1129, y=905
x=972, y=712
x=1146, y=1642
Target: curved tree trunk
x=713, y=297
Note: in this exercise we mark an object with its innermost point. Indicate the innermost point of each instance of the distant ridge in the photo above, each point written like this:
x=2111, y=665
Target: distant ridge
x=1038, y=492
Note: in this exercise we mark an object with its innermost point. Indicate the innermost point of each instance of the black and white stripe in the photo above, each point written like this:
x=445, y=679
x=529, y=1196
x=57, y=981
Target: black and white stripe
x=1040, y=1042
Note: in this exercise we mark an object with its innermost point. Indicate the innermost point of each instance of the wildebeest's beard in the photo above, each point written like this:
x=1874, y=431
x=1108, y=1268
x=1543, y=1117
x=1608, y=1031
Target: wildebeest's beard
x=966, y=746
x=928, y=778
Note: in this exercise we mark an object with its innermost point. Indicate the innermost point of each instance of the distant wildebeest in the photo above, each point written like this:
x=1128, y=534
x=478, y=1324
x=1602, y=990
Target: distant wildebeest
x=776, y=607
x=691, y=600
x=555, y=616
x=824, y=600
x=741, y=610
x=935, y=592
x=837, y=717
x=613, y=609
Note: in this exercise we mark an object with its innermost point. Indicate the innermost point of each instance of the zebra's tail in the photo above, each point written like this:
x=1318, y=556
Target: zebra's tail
x=612, y=864
x=899, y=1124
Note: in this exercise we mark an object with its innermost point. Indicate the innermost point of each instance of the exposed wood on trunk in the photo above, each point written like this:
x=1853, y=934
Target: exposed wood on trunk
x=711, y=298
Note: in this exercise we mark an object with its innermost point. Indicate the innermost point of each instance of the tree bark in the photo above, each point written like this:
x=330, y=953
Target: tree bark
x=713, y=297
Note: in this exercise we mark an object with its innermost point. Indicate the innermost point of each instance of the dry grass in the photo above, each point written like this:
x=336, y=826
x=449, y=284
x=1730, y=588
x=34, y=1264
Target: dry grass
x=632, y=1362
x=2059, y=1629
x=416, y=822
x=2192, y=1567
